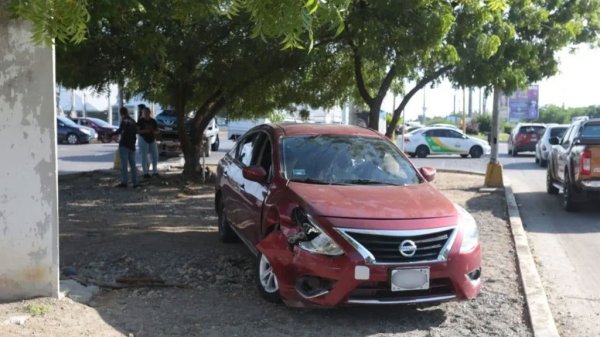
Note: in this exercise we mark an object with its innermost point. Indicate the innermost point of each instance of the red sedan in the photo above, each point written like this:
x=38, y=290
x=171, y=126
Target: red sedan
x=337, y=215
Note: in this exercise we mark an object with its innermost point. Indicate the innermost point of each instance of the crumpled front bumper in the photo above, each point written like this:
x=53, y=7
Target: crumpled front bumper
x=344, y=280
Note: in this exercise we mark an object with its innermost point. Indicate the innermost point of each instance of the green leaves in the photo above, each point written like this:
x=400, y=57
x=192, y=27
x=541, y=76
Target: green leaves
x=63, y=20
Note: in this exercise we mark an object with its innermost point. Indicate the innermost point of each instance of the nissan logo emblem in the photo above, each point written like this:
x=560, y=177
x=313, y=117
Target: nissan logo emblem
x=408, y=248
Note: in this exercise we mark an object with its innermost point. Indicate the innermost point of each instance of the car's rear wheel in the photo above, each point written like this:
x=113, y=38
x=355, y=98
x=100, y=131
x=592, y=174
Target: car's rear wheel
x=72, y=139
x=550, y=188
x=514, y=152
x=568, y=194
x=476, y=152
x=106, y=138
x=226, y=234
x=537, y=160
x=266, y=280
x=543, y=163
x=215, y=145
x=422, y=151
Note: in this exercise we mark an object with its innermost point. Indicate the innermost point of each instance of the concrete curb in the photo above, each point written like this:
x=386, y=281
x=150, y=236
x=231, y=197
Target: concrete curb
x=540, y=316
x=542, y=322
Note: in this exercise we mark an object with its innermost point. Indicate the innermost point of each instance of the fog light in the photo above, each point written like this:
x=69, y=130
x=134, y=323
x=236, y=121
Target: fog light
x=361, y=273
x=313, y=286
x=474, y=275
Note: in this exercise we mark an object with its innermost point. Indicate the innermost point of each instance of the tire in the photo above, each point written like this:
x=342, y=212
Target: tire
x=266, y=280
x=514, y=152
x=215, y=145
x=476, y=151
x=422, y=151
x=568, y=194
x=537, y=160
x=106, y=138
x=509, y=150
x=543, y=163
x=72, y=139
x=550, y=188
x=464, y=155
x=226, y=234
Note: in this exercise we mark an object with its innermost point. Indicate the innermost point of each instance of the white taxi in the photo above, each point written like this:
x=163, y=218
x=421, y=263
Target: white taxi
x=442, y=140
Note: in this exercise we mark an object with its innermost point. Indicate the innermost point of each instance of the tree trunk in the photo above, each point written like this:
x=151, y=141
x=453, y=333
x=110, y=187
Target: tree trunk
x=422, y=83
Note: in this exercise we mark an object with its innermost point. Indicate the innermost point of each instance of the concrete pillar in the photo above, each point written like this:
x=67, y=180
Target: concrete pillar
x=28, y=177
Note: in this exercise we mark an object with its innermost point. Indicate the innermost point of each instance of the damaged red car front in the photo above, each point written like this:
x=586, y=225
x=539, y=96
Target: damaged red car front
x=337, y=215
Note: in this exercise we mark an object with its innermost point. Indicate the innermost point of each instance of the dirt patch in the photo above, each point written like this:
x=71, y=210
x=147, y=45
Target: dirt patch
x=165, y=233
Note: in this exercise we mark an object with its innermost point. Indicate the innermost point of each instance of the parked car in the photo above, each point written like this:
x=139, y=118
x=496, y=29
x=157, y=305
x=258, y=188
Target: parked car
x=71, y=133
x=102, y=128
x=543, y=147
x=336, y=215
x=236, y=128
x=574, y=163
x=523, y=137
x=442, y=140
x=168, y=141
x=442, y=125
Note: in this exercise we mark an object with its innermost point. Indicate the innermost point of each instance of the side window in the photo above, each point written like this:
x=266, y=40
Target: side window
x=266, y=158
x=249, y=149
x=454, y=134
x=245, y=149
x=566, y=141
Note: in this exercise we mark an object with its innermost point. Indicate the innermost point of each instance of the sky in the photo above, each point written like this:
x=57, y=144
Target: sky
x=575, y=85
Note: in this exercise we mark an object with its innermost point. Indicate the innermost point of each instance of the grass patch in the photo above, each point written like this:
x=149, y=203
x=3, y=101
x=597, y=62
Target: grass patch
x=37, y=309
x=502, y=137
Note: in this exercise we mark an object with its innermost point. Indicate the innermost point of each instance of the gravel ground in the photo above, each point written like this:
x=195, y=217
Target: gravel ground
x=164, y=236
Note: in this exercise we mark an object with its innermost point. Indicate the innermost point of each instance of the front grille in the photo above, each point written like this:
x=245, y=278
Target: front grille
x=381, y=291
x=385, y=248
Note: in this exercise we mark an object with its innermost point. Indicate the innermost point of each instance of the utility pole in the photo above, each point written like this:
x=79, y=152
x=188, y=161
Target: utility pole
x=109, y=111
x=470, y=102
x=464, y=111
x=424, y=106
x=454, y=105
x=493, y=174
x=84, y=112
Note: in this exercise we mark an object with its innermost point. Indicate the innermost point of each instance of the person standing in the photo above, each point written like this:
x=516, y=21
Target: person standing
x=148, y=129
x=128, y=132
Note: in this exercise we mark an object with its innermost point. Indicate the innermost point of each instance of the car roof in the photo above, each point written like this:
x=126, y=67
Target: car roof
x=292, y=129
x=531, y=124
x=440, y=128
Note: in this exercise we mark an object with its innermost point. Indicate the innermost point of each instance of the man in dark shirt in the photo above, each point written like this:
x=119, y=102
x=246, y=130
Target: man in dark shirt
x=128, y=132
x=148, y=129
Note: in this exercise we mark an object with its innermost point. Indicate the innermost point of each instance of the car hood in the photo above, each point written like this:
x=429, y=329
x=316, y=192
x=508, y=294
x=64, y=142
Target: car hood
x=480, y=141
x=420, y=201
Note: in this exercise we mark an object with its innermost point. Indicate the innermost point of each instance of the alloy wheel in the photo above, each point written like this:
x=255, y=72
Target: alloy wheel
x=267, y=277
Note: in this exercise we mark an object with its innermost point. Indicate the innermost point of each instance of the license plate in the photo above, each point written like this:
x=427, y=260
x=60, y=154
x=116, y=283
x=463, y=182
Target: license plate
x=409, y=279
x=168, y=129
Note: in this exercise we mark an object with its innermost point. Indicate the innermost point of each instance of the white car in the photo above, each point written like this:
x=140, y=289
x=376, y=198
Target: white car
x=543, y=147
x=212, y=133
x=442, y=140
x=236, y=128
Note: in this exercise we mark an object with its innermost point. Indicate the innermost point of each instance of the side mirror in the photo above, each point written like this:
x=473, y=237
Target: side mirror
x=553, y=141
x=255, y=173
x=428, y=173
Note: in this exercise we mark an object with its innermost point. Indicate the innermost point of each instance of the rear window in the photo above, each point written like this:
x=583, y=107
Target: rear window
x=532, y=129
x=591, y=131
x=557, y=132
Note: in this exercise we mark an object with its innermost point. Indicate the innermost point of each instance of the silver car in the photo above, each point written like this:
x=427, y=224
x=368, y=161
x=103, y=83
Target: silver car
x=543, y=147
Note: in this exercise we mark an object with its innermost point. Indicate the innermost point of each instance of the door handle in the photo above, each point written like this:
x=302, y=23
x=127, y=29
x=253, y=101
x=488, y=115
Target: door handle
x=242, y=186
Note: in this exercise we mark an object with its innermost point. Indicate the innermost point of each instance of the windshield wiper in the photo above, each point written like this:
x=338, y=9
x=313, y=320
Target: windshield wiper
x=368, y=182
x=313, y=181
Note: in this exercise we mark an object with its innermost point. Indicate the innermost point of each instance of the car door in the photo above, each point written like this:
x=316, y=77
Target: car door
x=461, y=143
x=561, y=153
x=244, y=201
x=61, y=131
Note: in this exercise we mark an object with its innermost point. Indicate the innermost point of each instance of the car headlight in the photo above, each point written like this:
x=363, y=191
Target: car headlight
x=313, y=239
x=469, y=229
x=86, y=131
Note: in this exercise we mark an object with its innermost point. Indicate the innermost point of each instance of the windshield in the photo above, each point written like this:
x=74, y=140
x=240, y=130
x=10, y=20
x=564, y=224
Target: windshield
x=100, y=122
x=333, y=159
x=67, y=122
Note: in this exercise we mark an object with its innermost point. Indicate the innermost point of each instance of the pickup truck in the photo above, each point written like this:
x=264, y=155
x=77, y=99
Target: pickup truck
x=574, y=163
x=168, y=141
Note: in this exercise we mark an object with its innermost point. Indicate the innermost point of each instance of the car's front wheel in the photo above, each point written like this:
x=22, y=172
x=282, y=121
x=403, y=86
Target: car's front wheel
x=266, y=280
x=476, y=152
x=568, y=194
x=550, y=188
x=72, y=139
x=215, y=145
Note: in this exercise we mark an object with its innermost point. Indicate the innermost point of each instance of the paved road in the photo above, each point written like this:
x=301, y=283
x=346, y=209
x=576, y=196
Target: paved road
x=89, y=157
x=566, y=246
